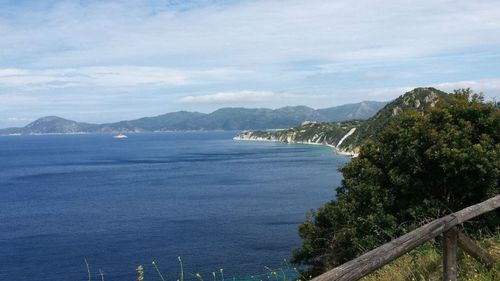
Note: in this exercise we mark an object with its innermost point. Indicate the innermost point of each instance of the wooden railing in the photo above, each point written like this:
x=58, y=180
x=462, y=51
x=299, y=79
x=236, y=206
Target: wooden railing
x=375, y=259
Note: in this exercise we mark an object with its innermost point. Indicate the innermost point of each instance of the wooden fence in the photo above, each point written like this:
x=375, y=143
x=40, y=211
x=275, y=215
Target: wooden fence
x=375, y=259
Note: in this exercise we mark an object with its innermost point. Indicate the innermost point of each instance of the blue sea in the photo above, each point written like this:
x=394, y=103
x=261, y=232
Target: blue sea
x=120, y=203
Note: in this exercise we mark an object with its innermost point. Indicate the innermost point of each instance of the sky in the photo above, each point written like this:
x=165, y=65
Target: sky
x=104, y=61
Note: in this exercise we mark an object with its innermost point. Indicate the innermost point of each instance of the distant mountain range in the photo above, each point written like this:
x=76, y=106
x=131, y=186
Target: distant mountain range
x=348, y=136
x=222, y=119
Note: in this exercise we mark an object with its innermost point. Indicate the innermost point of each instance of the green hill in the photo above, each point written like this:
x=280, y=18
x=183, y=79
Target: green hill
x=221, y=119
x=52, y=124
x=349, y=135
x=419, y=99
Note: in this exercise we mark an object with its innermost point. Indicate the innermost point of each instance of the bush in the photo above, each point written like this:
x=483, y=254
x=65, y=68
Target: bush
x=420, y=167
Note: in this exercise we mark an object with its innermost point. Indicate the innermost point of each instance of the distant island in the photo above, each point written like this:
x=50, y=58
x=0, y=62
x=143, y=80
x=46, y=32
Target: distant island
x=221, y=119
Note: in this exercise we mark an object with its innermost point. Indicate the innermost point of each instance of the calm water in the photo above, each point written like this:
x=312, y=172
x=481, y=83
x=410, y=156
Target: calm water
x=120, y=203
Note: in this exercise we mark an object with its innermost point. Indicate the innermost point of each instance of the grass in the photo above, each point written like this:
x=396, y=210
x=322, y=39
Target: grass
x=425, y=264
x=285, y=273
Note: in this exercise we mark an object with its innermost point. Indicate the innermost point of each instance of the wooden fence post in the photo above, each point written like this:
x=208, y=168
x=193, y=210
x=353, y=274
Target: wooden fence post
x=450, y=246
x=376, y=258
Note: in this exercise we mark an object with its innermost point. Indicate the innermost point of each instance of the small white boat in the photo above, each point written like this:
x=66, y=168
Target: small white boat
x=120, y=136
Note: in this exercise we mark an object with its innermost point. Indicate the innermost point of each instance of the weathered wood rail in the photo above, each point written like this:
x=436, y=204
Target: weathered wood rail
x=376, y=258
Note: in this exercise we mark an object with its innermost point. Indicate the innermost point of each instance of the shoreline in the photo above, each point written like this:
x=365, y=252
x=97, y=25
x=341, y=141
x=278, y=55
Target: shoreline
x=334, y=148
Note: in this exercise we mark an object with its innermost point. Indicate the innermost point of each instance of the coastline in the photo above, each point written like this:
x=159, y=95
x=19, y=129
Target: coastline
x=334, y=148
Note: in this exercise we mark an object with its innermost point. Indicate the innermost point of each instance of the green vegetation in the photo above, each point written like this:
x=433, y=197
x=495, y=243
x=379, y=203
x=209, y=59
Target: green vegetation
x=422, y=264
x=425, y=264
x=418, y=167
x=309, y=132
x=419, y=100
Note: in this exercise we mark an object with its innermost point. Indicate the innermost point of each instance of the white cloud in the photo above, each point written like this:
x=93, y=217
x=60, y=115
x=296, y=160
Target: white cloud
x=248, y=32
x=490, y=87
x=248, y=97
x=230, y=97
x=109, y=76
x=16, y=100
x=19, y=119
x=375, y=74
x=88, y=55
x=385, y=93
x=12, y=72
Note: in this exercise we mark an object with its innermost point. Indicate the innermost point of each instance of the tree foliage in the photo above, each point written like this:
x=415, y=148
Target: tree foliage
x=420, y=167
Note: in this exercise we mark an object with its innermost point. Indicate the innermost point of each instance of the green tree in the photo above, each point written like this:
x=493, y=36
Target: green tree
x=420, y=167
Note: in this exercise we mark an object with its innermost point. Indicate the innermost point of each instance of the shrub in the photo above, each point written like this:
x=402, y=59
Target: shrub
x=420, y=167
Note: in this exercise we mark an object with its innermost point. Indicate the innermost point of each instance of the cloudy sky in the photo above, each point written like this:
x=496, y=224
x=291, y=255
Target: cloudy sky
x=100, y=61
